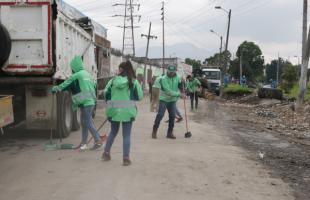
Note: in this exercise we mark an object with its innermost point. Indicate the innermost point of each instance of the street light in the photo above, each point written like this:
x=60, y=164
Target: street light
x=219, y=7
x=221, y=38
x=227, y=35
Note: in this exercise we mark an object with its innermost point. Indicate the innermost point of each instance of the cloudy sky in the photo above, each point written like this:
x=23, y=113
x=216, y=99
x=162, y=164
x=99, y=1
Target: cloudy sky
x=275, y=25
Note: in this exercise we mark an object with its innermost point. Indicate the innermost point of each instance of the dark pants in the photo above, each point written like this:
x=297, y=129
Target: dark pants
x=171, y=107
x=194, y=95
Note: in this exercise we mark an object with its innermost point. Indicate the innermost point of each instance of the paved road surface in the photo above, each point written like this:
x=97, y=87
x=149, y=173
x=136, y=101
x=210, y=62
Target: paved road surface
x=207, y=166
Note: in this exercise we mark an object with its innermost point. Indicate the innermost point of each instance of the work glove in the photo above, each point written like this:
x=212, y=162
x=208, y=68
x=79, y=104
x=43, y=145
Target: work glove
x=55, y=89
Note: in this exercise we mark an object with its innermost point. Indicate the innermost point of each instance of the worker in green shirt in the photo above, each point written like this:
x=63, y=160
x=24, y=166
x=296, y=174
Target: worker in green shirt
x=170, y=85
x=193, y=88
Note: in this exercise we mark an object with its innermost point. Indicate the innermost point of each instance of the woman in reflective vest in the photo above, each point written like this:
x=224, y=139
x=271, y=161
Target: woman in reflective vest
x=121, y=94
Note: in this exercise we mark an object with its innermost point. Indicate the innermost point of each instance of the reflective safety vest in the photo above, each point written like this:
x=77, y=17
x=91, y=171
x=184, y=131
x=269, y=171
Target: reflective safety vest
x=121, y=100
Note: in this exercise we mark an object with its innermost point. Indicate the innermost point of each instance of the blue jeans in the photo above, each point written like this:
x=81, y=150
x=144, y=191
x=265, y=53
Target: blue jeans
x=171, y=107
x=87, y=124
x=126, y=137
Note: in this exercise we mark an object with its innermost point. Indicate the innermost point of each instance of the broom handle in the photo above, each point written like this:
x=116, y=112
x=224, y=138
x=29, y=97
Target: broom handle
x=185, y=107
x=97, y=129
x=52, y=116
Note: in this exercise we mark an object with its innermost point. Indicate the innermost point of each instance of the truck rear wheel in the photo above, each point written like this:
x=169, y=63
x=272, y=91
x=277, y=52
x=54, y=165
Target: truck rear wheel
x=6, y=45
x=76, y=124
x=64, y=114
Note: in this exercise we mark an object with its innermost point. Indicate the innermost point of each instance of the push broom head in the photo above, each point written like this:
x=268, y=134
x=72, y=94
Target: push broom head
x=188, y=134
x=50, y=146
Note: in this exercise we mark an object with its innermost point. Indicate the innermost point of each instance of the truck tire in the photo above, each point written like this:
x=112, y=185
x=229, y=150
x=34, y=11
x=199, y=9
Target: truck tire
x=64, y=114
x=76, y=124
x=6, y=45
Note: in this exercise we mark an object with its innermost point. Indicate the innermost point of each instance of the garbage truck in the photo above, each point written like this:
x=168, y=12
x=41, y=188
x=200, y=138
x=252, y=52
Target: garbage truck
x=38, y=39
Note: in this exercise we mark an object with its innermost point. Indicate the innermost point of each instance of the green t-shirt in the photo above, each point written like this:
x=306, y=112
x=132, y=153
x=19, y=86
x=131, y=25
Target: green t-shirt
x=157, y=83
x=193, y=85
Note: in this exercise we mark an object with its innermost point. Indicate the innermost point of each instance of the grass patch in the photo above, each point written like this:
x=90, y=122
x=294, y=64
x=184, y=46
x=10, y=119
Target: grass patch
x=293, y=93
x=236, y=89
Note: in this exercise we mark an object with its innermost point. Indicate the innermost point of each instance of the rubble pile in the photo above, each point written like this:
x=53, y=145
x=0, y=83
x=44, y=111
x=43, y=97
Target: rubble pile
x=279, y=116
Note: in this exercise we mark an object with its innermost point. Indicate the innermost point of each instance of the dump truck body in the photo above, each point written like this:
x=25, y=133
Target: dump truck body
x=44, y=37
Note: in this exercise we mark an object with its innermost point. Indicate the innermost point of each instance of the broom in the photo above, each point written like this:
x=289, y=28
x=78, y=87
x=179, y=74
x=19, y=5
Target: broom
x=188, y=134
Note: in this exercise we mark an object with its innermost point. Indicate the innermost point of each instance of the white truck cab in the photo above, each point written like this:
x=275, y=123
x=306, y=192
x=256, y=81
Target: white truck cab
x=213, y=77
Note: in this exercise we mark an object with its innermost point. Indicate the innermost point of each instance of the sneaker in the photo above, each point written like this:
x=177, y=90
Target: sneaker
x=96, y=146
x=106, y=156
x=126, y=162
x=83, y=147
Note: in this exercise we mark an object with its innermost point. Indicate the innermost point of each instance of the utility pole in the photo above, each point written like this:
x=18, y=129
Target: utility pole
x=163, y=19
x=227, y=38
x=220, y=56
x=148, y=36
x=226, y=44
x=221, y=44
x=128, y=41
x=278, y=67
x=241, y=56
x=132, y=31
x=124, y=28
x=305, y=57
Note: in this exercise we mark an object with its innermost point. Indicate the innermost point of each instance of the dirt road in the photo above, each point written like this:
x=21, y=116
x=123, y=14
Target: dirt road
x=208, y=166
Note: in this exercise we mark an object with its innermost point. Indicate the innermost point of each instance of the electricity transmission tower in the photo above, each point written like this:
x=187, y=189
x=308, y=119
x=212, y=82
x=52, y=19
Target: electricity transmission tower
x=128, y=27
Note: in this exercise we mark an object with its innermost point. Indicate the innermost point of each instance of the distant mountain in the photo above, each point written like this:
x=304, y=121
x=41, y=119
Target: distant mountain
x=181, y=50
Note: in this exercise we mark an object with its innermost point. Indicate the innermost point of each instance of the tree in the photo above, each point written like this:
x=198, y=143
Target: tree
x=289, y=76
x=195, y=63
x=218, y=59
x=271, y=69
x=252, y=62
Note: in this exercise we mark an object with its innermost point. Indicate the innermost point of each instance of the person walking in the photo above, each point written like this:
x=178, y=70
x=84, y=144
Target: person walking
x=82, y=86
x=170, y=84
x=121, y=94
x=243, y=81
x=193, y=87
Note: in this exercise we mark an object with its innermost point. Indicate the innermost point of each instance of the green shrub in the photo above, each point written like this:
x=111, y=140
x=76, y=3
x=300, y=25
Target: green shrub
x=289, y=78
x=236, y=89
x=293, y=93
